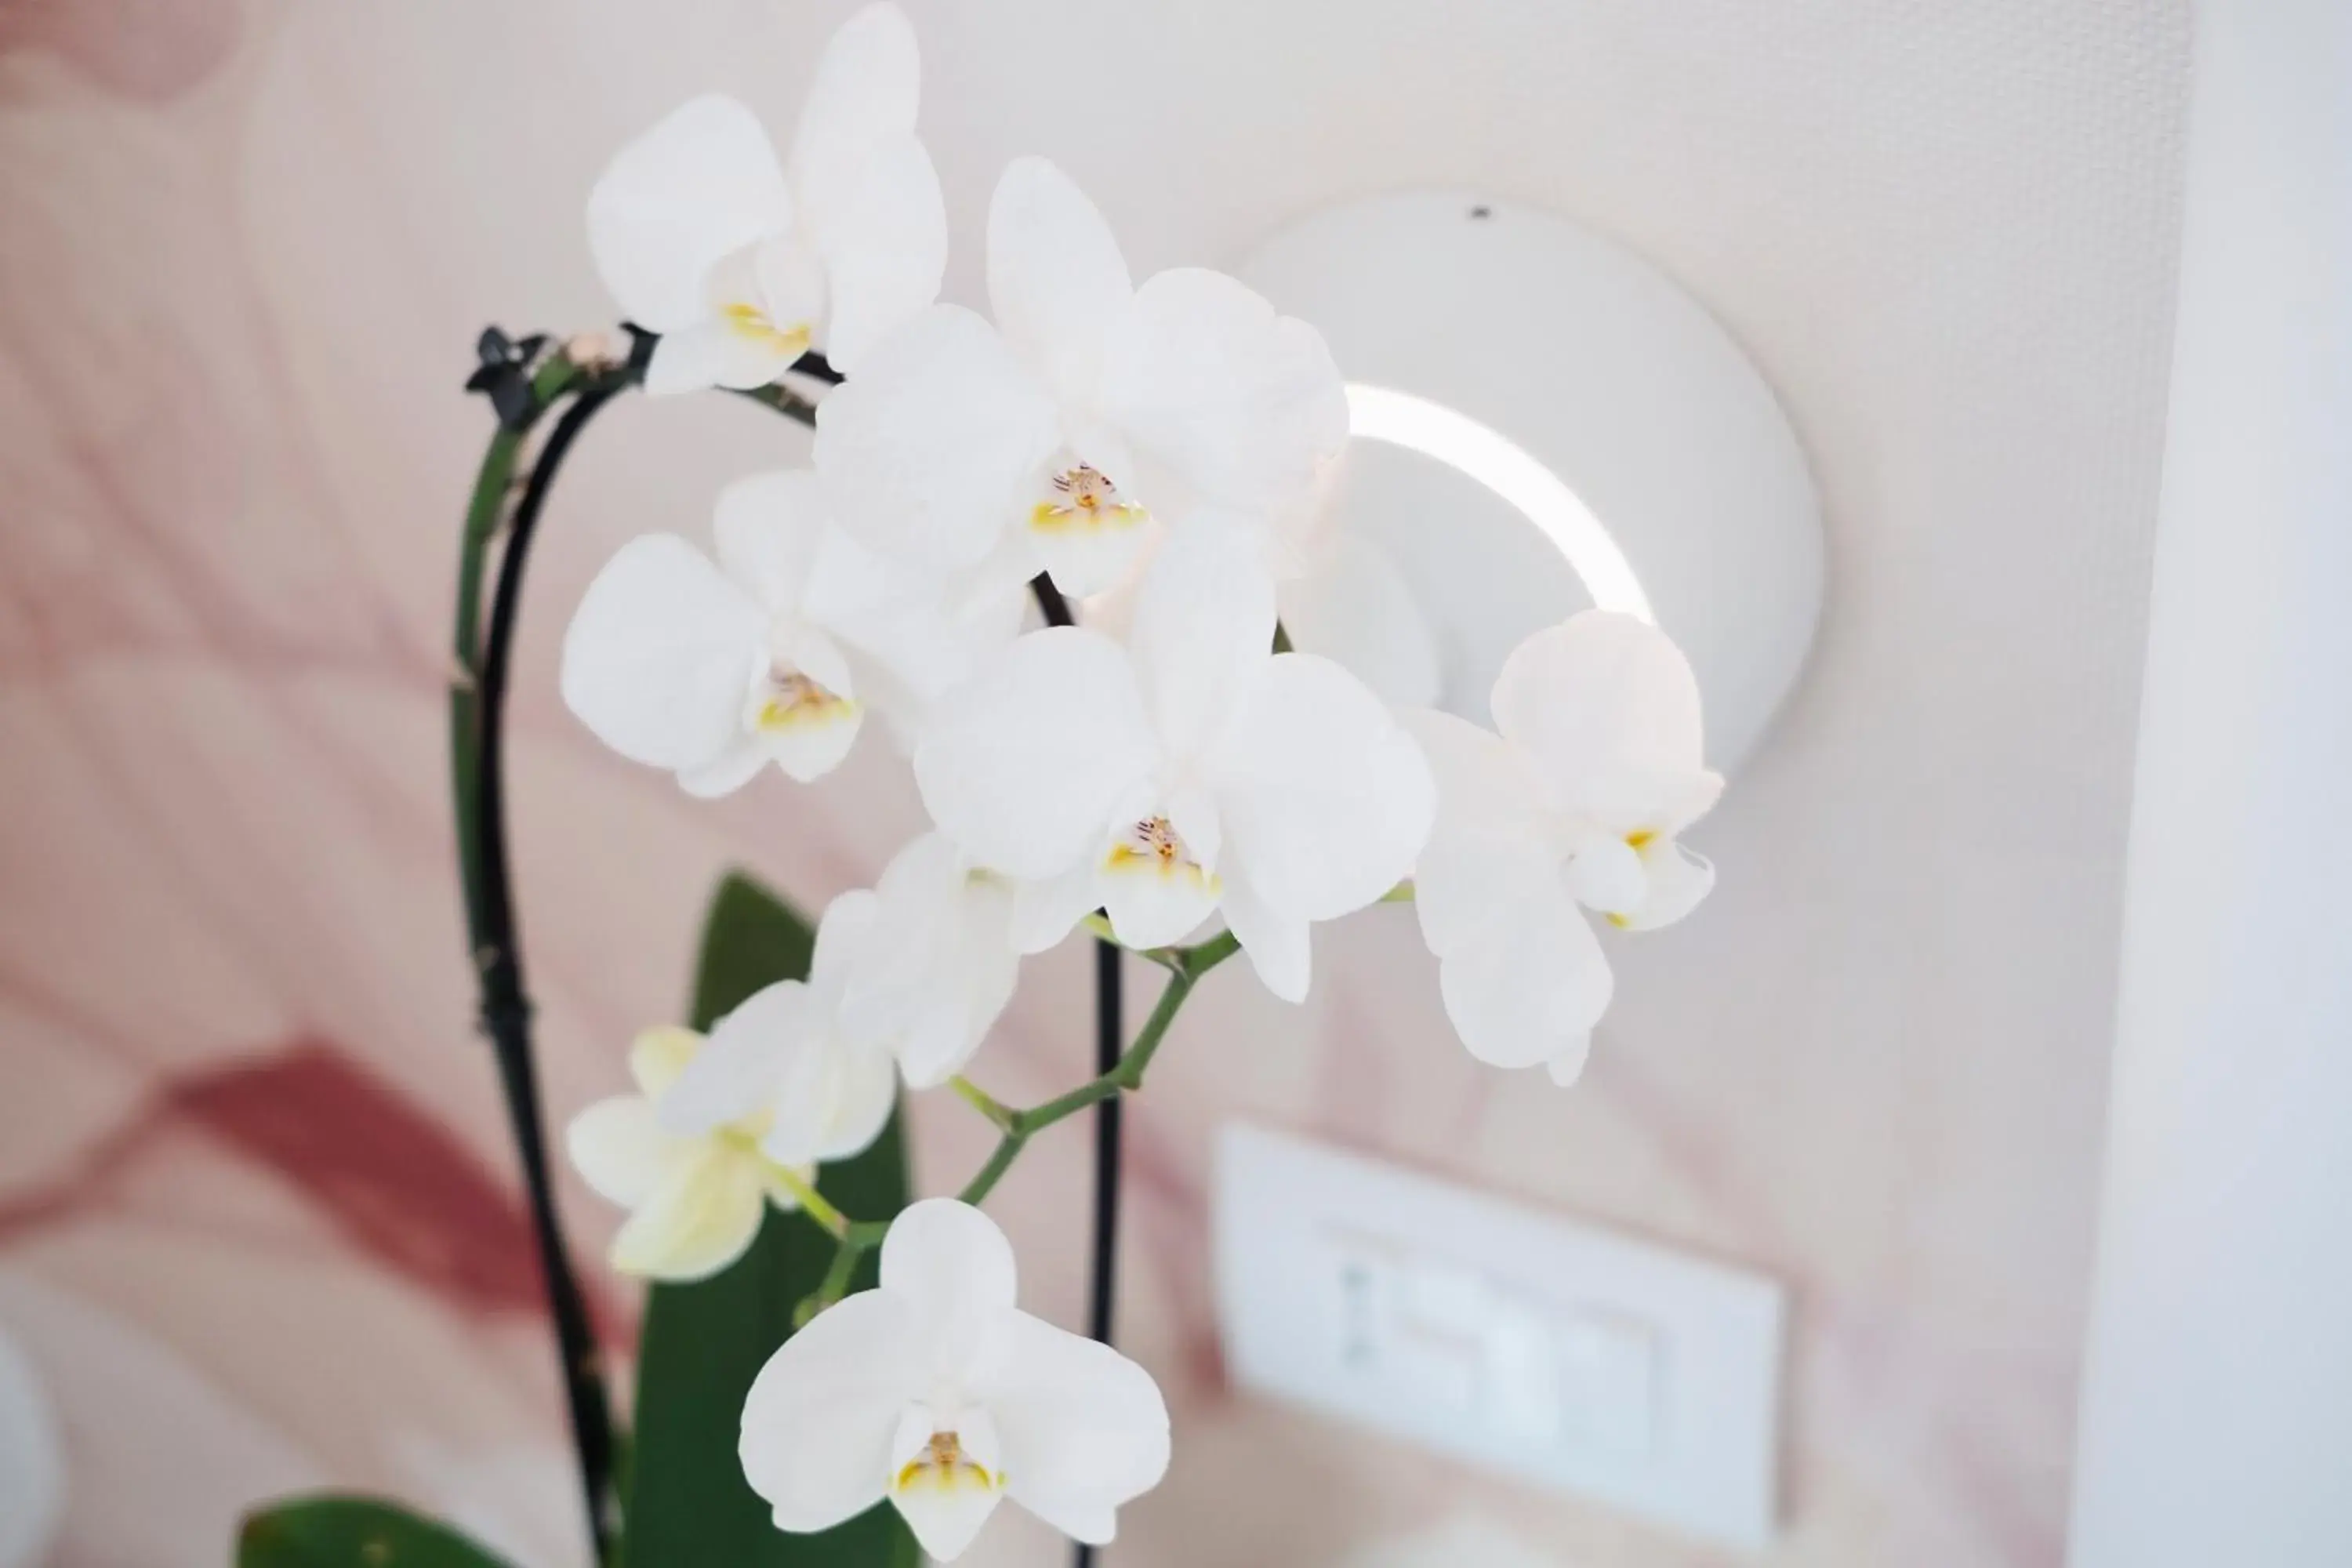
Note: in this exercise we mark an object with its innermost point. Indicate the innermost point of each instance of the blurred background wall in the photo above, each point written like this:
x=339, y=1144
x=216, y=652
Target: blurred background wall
x=258, y=1230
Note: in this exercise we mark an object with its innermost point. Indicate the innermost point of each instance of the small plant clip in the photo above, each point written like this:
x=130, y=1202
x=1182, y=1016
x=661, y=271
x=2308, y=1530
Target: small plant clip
x=504, y=374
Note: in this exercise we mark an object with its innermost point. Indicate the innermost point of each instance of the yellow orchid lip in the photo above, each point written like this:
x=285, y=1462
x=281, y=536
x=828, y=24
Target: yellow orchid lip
x=750, y=321
x=1151, y=845
x=797, y=701
x=1084, y=498
x=943, y=1466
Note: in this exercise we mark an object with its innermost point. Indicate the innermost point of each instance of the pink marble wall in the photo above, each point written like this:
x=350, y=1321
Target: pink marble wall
x=258, y=1230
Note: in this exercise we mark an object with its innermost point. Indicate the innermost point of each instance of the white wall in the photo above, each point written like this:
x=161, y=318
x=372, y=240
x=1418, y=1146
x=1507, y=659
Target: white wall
x=2217, y=1409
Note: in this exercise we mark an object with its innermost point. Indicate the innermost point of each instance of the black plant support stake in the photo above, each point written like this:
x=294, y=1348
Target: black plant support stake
x=1111, y=1033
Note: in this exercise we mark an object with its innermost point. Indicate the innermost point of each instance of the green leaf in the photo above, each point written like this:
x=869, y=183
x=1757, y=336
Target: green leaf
x=703, y=1344
x=351, y=1533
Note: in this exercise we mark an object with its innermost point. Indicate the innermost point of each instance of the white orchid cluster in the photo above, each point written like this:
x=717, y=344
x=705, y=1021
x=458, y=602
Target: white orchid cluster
x=1156, y=451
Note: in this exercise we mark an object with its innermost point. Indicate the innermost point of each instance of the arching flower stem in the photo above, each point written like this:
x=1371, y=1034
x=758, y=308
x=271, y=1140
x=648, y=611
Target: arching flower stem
x=1185, y=966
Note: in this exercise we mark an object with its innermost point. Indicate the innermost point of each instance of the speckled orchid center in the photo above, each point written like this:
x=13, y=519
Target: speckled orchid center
x=789, y=699
x=1150, y=846
x=943, y=1466
x=1084, y=498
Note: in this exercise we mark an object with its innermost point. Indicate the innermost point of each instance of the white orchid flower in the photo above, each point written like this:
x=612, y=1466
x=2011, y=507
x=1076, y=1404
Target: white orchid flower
x=1090, y=407
x=787, y=1065
x=714, y=671
x=941, y=965
x=1578, y=800
x=1192, y=771
x=935, y=1392
x=695, y=1202
x=743, y=263
x=1356, y=607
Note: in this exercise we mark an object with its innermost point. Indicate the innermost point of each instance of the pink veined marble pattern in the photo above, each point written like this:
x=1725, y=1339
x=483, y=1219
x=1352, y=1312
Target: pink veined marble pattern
x=258, y=1225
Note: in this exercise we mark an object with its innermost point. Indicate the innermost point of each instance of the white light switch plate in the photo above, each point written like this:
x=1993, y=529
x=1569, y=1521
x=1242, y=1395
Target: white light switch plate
x=1497, y=1333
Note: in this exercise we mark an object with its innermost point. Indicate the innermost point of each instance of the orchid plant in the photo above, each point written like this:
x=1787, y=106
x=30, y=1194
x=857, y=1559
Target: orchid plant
x=1043, y=548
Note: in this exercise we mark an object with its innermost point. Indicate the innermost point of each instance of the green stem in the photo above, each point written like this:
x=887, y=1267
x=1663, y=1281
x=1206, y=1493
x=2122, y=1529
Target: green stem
x=817, y=1206
x=834, y=1285
x=979, y=1099
x=1185, y=966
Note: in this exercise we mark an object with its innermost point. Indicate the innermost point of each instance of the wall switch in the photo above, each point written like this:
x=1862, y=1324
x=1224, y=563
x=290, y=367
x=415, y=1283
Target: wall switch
x=1523, y=1341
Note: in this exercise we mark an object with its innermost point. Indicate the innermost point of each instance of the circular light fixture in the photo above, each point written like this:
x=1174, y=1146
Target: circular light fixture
x=1542, y=423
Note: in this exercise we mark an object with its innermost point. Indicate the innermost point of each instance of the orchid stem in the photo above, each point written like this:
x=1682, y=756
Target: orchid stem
x=525, y=385
x=979, y=1099
x=524, y=394
x=1186, y=965
x=815, y=1204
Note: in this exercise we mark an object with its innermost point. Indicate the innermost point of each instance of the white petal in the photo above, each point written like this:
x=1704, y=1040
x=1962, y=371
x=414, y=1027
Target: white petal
x=1044, y=912
x=699, y=1219
x=1192, y=810
x=729, y=771
x=659, y=655
x=864, y=96
x=618, y=1147
x=1025, y=770
x=828, y=1095
x=864, y=1091
x=1203, y=630
x=1055, y=278
x=818, y=1421
x=1279, y=946
x=1686, y=800
x=1678, y=881
x=1084, y=1429
x=1609, y=710
x=708, y=353
x=910, y=935
x=1523, y=987
x=932, y=449
x=942, y=967
x=954, y=1269
x=1151, y=904
x=736, y=1074
x=782, y=278
x=945, y=1511
x=1490, y=844
x=1085, y=557
x=1326, y=800
x=658, y=1056
x=845, y=932
x=939, y=1040
x=768, y=528
x=1241, y=406
x=885, y=251
x=1359, y=610
x=702, y=182
x=929, y=632
x=1608, y=874
x=1568, y=1065
x=846, y=580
